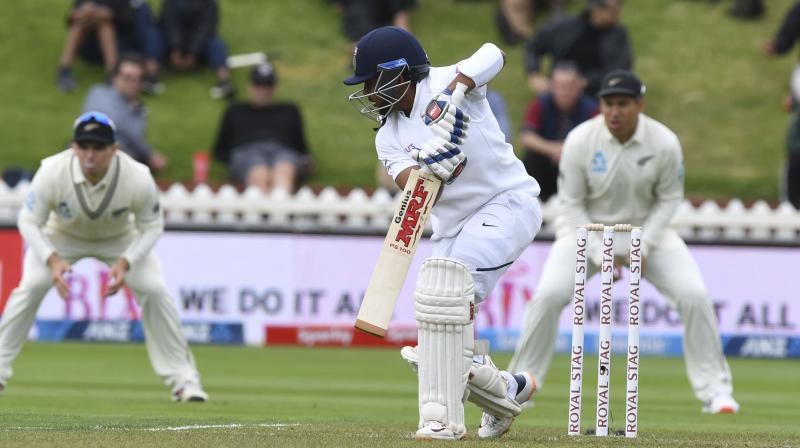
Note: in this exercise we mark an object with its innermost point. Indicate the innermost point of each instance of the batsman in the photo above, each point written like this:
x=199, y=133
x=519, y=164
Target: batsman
x=438, y=119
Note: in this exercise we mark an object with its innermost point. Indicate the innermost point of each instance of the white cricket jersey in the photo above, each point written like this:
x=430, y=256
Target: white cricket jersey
x=491, y=166
x=124, y=203
x=639, y=182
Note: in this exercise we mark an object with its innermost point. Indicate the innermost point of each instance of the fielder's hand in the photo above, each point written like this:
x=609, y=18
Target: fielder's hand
x=118, y=271
x=443, y=158
x=445, y=118
x=59, y=268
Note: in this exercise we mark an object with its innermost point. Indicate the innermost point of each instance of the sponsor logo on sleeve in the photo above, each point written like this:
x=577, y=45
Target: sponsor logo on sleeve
x=30, y=200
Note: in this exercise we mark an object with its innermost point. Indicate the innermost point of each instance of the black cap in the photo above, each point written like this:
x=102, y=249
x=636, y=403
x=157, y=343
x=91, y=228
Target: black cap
x=94, y=127
x=383, y=45
x=263, y=74
x=621, y=82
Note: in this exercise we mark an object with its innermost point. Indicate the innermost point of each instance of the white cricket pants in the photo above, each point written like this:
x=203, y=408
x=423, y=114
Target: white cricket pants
x=493, y=238
x=671, y=269
x=166, y=344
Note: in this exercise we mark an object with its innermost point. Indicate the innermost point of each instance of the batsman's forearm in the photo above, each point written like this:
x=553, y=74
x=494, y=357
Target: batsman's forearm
x=402, y=180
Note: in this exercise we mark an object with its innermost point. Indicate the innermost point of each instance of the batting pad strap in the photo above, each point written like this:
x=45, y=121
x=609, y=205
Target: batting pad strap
x=445, y=293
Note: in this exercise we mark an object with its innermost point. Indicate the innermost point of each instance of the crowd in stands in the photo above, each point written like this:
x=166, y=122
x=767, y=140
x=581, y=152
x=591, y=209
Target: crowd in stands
x=262, y=143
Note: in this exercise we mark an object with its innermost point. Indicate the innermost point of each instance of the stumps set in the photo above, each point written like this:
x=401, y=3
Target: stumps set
x=604, y=337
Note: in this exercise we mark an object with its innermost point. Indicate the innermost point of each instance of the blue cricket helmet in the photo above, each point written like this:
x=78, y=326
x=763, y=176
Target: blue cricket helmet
x=383, y=45
x=393, y=57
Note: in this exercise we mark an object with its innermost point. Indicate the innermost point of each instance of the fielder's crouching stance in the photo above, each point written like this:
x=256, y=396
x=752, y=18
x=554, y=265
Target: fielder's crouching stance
x=93, y=200
x=487, y=213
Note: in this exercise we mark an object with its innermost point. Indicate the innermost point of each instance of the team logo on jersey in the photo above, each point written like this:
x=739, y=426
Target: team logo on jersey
x=116, y=213
x=64, y=210
x=642, y=161
x=599, y=164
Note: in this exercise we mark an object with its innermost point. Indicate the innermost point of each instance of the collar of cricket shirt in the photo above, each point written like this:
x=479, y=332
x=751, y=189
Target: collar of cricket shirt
x=637, y=137
x=78, y=178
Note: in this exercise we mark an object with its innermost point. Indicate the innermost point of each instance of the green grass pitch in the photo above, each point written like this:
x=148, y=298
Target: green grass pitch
x=106, y=395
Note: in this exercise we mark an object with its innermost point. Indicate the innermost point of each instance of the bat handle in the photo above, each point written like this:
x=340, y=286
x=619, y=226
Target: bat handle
x=458, y=94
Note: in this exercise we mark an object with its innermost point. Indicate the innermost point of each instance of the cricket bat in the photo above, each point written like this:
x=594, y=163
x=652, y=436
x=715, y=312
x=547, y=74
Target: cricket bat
x=398, y=250
x=391, y=269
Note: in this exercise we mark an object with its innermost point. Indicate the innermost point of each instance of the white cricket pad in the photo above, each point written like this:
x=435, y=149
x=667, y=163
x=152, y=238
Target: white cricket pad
x=444, y=309
x=488, y=388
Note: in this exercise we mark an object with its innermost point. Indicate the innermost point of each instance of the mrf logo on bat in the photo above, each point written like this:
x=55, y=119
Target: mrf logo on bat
x=408, y=216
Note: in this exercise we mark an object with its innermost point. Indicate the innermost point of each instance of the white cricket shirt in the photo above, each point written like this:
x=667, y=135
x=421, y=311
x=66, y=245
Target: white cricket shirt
x=124, y=203
x=491, y=165
x=639, y=182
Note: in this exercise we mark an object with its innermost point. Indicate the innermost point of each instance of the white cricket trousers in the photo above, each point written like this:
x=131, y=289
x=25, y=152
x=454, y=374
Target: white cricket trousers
x=671, y=269
x=493, y=238
x=166, y=344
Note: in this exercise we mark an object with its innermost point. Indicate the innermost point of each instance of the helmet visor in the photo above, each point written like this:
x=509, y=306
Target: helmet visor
x=391, y=85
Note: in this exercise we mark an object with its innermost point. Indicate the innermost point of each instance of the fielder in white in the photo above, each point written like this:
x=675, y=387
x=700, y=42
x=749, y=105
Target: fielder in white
x=624, y=167
x=92, y=200
x=486, y=215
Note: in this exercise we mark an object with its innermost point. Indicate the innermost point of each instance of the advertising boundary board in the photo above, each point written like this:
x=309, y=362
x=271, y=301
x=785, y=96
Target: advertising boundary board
x=302, y=285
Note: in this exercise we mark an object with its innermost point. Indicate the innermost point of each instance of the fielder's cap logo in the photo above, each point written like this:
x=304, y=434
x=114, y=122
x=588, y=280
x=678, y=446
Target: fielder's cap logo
x=621, y=82
x=89, y=127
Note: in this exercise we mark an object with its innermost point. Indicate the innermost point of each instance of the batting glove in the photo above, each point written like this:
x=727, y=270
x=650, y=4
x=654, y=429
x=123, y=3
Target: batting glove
x=445, y=119
x=444, y=159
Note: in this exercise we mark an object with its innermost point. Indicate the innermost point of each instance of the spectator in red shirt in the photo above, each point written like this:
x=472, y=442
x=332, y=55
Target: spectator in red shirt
x=549, y=119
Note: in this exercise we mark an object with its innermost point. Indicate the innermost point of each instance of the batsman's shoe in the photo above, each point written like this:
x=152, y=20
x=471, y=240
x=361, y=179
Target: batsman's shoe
x=189, y=392
x=721, y=404
x=520, y=389
x=433, y=430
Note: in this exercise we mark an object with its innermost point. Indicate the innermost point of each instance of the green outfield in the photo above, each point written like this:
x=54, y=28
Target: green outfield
x=106, y=395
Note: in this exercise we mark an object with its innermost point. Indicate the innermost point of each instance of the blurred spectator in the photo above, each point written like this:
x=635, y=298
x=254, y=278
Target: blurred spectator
x=550, y=117
x=99, y=30
x=122, y=102
x=190, y=38
x=16, y=174
x=513, y=17
x=362, y=16
x=785, y=38
x=262, y=142
x=747, y=9
x=594, y=40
